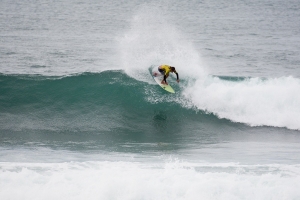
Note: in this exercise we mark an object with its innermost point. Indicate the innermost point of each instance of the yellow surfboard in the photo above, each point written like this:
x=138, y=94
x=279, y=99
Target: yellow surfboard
x=158, y=77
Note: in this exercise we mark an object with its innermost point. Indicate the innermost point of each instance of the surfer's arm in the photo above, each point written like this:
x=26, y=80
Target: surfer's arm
x=177, y=76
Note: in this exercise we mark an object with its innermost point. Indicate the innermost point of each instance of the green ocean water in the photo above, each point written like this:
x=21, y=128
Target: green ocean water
x=110, y=111
x=109, y=107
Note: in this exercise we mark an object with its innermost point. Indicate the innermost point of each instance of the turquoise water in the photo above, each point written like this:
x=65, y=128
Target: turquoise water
x=82, y=118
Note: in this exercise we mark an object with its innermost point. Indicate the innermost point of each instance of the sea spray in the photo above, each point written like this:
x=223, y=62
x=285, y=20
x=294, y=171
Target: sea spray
x=152, y=39
x=254, y=101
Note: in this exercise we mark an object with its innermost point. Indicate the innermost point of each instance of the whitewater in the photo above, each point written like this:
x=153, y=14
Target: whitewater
x=82, y=118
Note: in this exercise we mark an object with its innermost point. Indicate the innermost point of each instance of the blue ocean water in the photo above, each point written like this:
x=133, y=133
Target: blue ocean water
x=82, y=118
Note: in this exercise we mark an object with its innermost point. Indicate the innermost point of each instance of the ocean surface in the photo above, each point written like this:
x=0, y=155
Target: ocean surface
x=82, y=118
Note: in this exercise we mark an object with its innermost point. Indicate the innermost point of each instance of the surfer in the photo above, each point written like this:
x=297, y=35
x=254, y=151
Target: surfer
x=165, y=70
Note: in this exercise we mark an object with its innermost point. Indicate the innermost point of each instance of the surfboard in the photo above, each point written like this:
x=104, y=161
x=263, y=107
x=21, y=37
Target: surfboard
x=158, y=77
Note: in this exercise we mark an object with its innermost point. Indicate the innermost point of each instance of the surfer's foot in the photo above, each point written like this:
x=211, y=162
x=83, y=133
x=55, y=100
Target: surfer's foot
x=154, y=74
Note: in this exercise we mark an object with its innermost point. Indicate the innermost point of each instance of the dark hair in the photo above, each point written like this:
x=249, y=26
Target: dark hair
x=172, y=68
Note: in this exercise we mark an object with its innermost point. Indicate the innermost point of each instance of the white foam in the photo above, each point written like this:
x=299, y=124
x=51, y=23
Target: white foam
x=254, y=101
x=132, y=180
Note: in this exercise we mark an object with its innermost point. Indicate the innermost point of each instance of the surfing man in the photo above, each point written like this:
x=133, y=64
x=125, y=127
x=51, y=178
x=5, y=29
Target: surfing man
x=165, y=70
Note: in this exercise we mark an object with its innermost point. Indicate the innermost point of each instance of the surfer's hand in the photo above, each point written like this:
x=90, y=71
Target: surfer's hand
x=177, y=80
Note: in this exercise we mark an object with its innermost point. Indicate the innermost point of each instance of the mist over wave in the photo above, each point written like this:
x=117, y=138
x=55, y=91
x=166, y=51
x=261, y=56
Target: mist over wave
x=152, y=39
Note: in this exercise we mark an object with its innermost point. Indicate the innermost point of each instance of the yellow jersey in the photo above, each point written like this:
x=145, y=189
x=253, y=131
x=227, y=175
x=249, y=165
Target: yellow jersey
x=167, y=69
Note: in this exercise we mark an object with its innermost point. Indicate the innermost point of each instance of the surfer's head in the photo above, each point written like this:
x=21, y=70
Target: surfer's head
x=172, y=69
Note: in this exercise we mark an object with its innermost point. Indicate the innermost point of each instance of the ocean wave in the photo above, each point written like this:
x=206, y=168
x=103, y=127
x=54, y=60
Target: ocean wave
x=115, y=96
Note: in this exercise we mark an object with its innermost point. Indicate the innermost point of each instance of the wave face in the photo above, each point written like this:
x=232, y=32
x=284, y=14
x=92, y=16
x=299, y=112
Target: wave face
x=99, y=102
x=113, y=101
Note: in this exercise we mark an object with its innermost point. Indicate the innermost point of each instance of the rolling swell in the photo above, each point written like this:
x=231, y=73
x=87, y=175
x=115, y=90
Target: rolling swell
x=107, y=111
x=64, y=93
x=103, y=110
x=97, y=102
x=85, y=93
